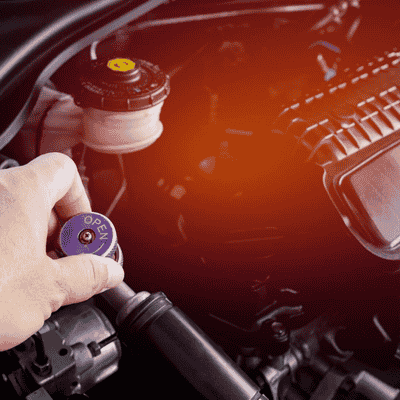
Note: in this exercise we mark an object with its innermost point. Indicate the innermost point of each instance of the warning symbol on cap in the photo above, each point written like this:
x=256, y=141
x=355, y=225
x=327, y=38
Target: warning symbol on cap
x=121, y=64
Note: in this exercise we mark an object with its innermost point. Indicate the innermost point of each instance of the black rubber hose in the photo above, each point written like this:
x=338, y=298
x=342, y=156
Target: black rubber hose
x=204, y=364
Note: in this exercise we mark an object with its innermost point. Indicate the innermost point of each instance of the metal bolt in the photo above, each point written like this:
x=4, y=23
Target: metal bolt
x=42, y=369
x=347, y=385
x=278, y=328
x=279, y=333
x=94, y=348
x=86, y=236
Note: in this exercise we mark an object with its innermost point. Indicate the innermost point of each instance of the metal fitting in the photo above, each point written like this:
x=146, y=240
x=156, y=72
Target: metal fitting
x=87, y=236
x=94, y=348
x=279, y=332
x=42, y=369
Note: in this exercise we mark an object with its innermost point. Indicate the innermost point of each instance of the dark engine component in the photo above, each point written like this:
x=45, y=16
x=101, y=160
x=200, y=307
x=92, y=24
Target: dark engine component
x=347, y=130
x=77, y=347
x=63, y=358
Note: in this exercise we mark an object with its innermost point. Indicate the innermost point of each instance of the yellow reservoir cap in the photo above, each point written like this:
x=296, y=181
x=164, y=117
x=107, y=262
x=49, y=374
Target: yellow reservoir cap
x=121, y=64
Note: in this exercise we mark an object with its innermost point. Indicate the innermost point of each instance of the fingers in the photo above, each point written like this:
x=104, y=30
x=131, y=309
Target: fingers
x=59, y=184
x=81, y=277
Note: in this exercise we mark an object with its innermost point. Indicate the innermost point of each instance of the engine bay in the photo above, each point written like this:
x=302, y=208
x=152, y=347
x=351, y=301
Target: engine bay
x=247, y=211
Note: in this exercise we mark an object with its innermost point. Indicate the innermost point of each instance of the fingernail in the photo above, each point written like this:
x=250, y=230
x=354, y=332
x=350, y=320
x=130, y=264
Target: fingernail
x=53, y=255
x=115, y=274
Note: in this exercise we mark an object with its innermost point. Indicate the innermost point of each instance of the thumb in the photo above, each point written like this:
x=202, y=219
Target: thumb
x=82, y=276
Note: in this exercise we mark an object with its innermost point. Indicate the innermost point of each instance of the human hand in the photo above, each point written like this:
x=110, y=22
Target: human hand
x=33, y=285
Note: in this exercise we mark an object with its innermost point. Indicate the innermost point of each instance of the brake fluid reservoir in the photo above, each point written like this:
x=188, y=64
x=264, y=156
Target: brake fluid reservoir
x=121, y=100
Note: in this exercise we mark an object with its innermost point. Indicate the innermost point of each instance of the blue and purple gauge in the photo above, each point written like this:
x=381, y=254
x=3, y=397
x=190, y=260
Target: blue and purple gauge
x=90, y=233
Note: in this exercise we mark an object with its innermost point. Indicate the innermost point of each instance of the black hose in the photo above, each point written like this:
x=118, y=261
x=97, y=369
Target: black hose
x=204, y=364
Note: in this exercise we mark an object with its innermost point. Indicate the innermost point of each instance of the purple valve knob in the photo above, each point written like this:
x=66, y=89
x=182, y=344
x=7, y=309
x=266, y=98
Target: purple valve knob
x=89, y=233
